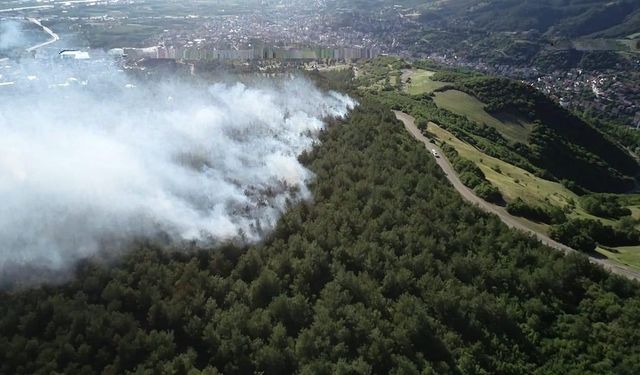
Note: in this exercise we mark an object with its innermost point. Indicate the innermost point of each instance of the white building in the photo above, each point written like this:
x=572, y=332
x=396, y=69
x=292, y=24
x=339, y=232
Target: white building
x=74, y=55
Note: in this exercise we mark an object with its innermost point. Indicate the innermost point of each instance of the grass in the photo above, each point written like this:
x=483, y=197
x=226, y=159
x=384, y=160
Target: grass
x=464, y=104
x=421, y=82
x=512, y=181
x=627, y=255
x=376, y=75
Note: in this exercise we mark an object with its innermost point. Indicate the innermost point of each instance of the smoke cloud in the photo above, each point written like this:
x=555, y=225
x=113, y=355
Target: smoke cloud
x=11, y=35
x=89, y=156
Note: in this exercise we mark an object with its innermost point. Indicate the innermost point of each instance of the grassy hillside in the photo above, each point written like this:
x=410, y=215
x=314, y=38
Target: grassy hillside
x=512, y=181
x=516, y=184
x=507, y=120
x=559, y=142
x=513, y=127
x=418, y=81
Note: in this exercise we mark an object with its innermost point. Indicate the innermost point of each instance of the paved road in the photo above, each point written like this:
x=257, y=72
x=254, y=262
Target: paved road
x=501, y=212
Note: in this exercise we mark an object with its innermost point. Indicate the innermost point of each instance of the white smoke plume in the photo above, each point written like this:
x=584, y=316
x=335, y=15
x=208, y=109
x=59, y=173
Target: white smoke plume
x=88, y=156
x=11, y=35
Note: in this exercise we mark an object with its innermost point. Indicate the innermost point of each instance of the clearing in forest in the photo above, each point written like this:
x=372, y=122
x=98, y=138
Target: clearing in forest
x=458, y=102
x=420, y=82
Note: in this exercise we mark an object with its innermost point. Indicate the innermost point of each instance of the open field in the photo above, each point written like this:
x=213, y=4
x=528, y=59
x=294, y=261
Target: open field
x=627, y=255
x=393, y=80
x=421, y=81
x=466, y=105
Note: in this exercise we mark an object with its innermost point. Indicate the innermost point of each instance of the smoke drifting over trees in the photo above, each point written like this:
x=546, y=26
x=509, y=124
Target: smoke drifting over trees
x=89, y=158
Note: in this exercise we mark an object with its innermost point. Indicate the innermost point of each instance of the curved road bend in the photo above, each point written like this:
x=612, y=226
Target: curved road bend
x=501, y=212
x=54, y=36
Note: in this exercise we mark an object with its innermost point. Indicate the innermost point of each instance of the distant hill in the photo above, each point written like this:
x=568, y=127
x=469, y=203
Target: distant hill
x=568, y=18
x=517, y=124
x=560, y=143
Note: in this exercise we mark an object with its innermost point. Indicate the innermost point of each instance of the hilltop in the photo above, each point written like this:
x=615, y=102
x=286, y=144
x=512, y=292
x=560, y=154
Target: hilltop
x=514, y=147
x=553, y=17
x=559, y=142
x=508, y=120
x=576, y=18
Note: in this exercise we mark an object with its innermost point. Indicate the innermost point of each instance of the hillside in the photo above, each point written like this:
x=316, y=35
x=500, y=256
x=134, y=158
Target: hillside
x=561, y=143
x=575, y=18
x=387, y=271
x=516, y=148
x=510, y=121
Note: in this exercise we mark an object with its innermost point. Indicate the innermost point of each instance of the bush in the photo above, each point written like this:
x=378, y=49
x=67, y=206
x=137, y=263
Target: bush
x=488, y=192
x=603, y=205
x=547, y=215
x=422, y=123
x=574, y=187
x=533, y=213
x=557, y=215
x=471, y=180
x=574, y=234
x=583, y=234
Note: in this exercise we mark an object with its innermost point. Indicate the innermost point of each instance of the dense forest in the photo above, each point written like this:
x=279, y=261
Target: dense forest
x=386, y=270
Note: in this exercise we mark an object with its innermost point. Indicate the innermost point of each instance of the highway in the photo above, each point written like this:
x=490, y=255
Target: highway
x=510, y=220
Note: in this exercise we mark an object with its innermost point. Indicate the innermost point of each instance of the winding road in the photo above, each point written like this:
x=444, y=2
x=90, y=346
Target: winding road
x=54, y=36
x=501, y=212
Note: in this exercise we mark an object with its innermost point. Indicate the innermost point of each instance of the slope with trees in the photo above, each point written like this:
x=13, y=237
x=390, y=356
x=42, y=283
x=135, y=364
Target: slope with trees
x=555, y=17
x=561, y=143
x=386, y=271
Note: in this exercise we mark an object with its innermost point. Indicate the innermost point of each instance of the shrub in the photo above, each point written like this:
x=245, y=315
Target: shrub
x=578, y=233
x=488, y=192
x=534, y=213
x=604, y=205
